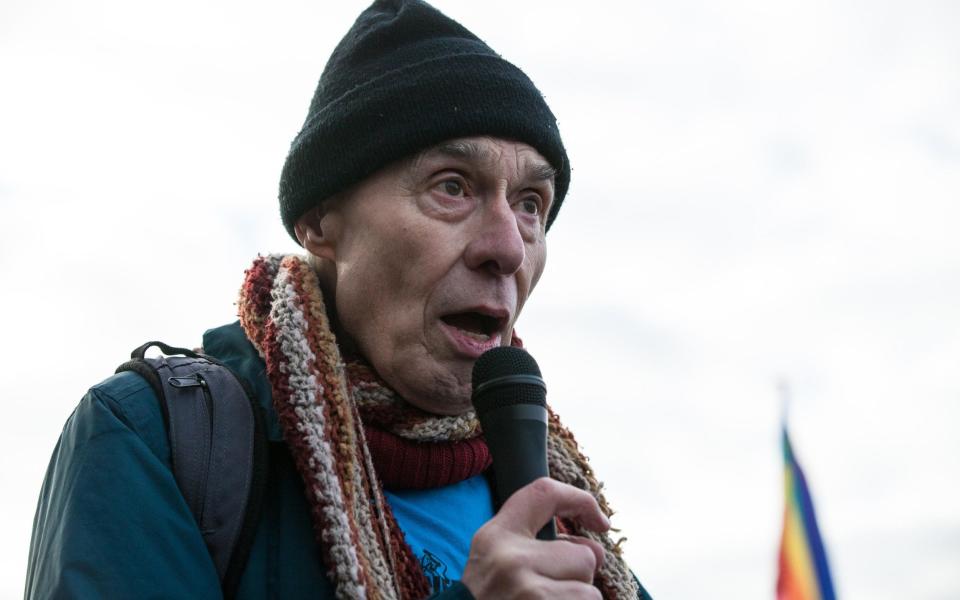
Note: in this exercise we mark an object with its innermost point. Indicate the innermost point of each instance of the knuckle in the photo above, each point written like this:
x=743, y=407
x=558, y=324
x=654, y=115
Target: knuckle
x=521, y=562
x=490, y=537
x=495, y=547
x=528, y=590
x=584, y=591
x=482, y=538
x=588, y=558
x=583, y=560
x=543, y=487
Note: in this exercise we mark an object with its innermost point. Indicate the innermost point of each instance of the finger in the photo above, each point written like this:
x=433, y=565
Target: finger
x=565, y=560
x=571, y=589
x=530, y=507
x=595, y=546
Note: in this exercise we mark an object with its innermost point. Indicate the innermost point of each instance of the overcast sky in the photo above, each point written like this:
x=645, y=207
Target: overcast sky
x=761, y=191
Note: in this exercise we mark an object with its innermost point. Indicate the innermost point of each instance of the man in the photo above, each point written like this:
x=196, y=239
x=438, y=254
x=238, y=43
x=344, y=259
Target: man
x=421, y=188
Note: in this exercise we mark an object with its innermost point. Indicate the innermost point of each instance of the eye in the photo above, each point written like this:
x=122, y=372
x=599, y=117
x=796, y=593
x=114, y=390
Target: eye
x=530, y=205
x=451, y=187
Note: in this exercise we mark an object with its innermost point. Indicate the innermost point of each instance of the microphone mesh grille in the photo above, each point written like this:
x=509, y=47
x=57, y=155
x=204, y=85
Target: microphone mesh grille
x=505, y=360
x=502, y=362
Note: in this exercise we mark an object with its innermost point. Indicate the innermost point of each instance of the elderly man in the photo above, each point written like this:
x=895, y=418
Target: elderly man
x=421, y=186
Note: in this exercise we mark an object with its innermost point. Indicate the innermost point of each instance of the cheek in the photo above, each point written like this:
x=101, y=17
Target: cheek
x=536, y=261
x=366, y=293
x=540, y=264
x=381, y=293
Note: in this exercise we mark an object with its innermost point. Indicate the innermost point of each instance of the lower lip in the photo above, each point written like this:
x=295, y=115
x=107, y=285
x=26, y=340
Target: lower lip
x=467, y=345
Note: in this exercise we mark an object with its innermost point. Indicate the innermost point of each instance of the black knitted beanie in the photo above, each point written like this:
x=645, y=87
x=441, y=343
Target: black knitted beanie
x=404, y=78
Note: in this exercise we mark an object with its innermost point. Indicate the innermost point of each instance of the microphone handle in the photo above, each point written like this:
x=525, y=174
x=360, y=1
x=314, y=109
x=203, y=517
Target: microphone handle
x=517, y=438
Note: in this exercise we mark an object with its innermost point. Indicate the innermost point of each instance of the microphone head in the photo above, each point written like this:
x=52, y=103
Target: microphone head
x=506, y=376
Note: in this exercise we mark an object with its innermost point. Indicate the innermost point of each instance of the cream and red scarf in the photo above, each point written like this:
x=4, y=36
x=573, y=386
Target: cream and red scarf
x=351, y=436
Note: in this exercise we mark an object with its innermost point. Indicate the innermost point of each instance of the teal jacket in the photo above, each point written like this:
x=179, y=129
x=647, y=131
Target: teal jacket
x=111, y=522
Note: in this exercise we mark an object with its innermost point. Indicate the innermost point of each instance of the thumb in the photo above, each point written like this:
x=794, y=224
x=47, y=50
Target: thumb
x=530, y=507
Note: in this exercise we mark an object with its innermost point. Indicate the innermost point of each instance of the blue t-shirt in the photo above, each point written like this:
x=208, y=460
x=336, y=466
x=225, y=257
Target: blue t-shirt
x=439, y=523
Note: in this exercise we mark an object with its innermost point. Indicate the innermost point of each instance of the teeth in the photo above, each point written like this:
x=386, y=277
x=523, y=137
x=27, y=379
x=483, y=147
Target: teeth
x=480, y=337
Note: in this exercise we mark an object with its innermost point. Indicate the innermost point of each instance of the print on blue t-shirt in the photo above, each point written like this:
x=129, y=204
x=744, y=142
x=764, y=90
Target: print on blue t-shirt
x=438, y=525
x=435, y=570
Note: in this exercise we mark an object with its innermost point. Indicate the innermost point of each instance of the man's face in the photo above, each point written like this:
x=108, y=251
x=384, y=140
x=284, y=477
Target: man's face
x=434, y=259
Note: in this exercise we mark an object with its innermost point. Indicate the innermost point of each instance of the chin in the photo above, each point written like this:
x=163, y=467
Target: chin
x=445, y=395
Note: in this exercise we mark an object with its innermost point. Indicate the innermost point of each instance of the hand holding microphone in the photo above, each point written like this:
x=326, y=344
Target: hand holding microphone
x=512, y=555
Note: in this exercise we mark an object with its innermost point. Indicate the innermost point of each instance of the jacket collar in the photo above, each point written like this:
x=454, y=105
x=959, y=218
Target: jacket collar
x=229, y=344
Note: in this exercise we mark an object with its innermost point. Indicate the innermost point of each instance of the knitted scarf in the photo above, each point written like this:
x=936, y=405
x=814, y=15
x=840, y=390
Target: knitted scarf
x=350, y=436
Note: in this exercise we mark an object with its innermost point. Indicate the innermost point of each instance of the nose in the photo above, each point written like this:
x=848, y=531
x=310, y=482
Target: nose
x=496, y=245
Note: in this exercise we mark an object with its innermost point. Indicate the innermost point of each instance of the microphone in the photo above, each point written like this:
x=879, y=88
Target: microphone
x=510, y=398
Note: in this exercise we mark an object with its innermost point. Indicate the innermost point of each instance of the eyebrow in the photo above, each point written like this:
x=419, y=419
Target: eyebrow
x=473, y=152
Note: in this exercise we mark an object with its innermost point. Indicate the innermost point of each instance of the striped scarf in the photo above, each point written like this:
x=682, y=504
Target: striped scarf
x=335, y=415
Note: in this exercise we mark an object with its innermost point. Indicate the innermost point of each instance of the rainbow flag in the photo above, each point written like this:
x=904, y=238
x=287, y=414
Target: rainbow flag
x=804, y=573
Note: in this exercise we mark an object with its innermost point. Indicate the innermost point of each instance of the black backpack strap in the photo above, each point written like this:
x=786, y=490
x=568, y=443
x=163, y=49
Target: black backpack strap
x=218, y=449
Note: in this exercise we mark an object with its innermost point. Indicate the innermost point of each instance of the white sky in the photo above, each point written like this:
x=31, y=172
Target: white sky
x=760, y=190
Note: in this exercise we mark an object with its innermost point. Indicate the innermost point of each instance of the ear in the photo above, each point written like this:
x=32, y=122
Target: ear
x=315, y=233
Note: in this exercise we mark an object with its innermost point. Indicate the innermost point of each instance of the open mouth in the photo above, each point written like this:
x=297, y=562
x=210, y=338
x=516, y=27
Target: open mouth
x=475, y=325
